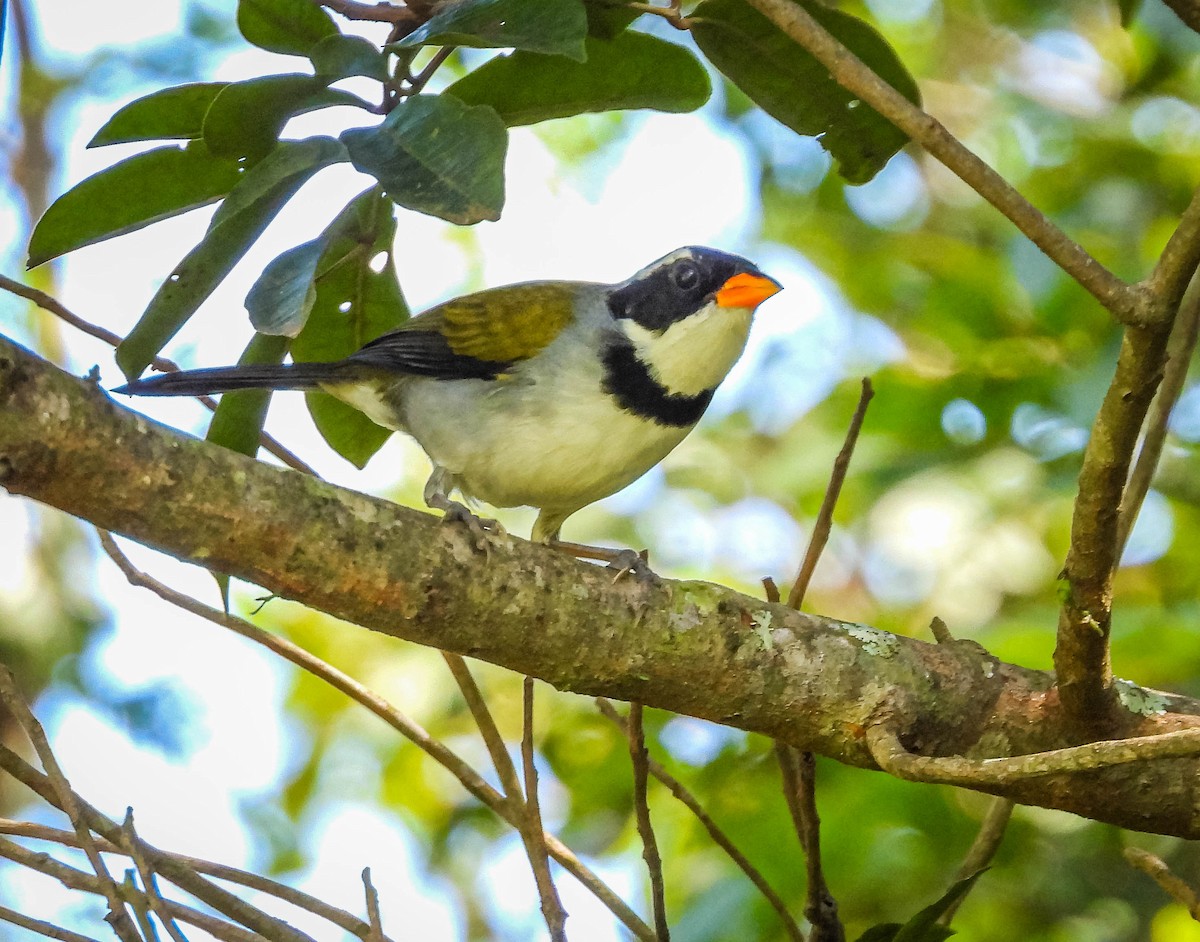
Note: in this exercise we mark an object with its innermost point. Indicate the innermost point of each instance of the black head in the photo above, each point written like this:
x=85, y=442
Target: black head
x=676, y=286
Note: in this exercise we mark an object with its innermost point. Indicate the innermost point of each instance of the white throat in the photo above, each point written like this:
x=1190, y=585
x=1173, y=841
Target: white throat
x=693, y=354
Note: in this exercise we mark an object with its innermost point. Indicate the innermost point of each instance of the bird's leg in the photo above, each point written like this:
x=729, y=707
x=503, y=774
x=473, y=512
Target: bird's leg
x=622, y=560
x=547, y=527
x=482, y=529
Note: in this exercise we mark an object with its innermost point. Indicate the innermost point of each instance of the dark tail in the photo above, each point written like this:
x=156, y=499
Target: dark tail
x=228, y=378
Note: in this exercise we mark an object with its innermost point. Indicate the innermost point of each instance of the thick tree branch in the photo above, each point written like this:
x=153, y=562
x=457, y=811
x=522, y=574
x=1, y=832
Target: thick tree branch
x=1120, y=298
x=690, y=647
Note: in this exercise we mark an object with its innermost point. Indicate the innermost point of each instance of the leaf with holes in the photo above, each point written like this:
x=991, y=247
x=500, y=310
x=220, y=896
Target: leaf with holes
x=354, y=303
x=291, y=27
x=557, y=27
x=785, y=80
x=438, y=156
x=633, y=70
x=238, y=222
x=171, y=114
x=131, y=194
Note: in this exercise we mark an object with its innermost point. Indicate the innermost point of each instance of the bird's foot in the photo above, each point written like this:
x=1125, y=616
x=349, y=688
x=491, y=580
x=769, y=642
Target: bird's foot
x=624, y=561
x=484, y=531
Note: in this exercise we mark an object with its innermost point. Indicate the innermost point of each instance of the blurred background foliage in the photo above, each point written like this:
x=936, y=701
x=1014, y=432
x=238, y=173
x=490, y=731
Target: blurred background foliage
x=988, y=364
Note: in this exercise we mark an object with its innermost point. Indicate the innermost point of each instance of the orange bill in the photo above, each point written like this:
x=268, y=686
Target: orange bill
x=747, y=289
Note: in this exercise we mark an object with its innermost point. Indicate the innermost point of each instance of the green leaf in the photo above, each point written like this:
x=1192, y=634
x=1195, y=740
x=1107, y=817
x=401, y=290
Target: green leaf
x=606, y=20
x=291, y=27
x=354, y=304
x=789, y=84
x=280, y=300
x=245, y=118
x=923, y=927
x=338, y=57
x=129, y=195
x=633, y=70
x=438, y=156
x=170, y=114
x=251, y=205
x=238, y=421
x=550, y=26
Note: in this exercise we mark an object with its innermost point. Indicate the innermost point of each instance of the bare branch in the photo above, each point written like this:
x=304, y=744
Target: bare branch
x=85, y=882
x=720, y=838
x=552, y=908
x=496, y=748
x=800, y=791
x=891, y=755
x=1123, y=300
x=1081, y=655
x=117, y=916
x=467, y=777
x=1180, y=348
x=641, y=805
x=162, y=364
x=149, y=882
x=375, y=12
x=42, y=928
x=1155, y=868
x=372, y=898
x=983, y=849
x=824, y=524
x=1178, y=261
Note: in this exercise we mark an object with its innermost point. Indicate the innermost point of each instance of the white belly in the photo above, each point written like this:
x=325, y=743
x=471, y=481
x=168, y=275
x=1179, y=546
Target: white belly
x=554, y=444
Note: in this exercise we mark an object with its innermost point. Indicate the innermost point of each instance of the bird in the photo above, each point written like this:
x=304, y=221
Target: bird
x=546, y=394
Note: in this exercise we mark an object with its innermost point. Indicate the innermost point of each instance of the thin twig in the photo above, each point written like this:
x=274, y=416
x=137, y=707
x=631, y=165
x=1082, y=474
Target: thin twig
x=253, y=881
x=1180, y=348
x=982, y=850
x=1122, y=299
x=117, y=916
x=162, y=364
x=140, y=906
x=41, y=927
x=149, y=881
x=85, y=882
x=1155, y=868
x=373, y=917
x=890, y=754
x=720, y=838
x=467, y=776
x=641, y=805
x=824, y=524
x=373, y=12
x=552, y=908
x=501, y=760
x=1177, y=263
x=798, y=770
x=421, y=79
x=184, y=877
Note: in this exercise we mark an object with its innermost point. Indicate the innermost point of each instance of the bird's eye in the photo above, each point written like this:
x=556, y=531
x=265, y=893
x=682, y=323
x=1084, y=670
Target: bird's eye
x=686, y=275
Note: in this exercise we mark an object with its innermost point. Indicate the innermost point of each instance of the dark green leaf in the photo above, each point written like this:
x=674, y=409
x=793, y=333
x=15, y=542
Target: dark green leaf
x=245, y=118
x=238, y=421
x=129, y=195
x=789, y=84
x=606, y=20
x=436, y=155
x=251, y=205
x=884, y=932
x=923, y=927
x=170, y=114
x=339, y=57
x=557, y=27
x=281, y=298
x=633, y=70
x=354, y=304
x=292, y=27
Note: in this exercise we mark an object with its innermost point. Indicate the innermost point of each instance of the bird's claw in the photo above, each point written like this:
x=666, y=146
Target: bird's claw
x=631, y=562
x=484, y=531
